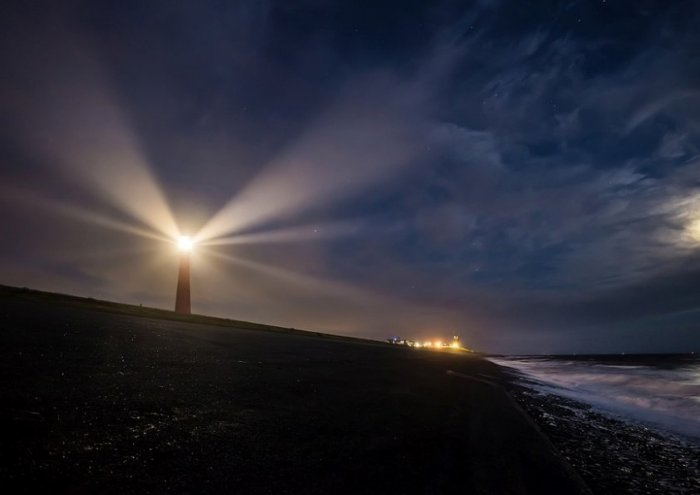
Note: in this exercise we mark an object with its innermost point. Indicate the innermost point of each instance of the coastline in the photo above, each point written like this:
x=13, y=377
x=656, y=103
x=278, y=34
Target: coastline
x=117, y=403
x=611, y=454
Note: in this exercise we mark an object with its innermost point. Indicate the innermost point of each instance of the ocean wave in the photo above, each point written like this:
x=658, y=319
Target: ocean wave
x=663, y=396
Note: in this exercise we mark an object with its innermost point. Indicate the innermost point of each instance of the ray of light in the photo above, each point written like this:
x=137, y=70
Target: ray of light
x=101, y=151
x=353, y=300
x=112, y=254
x=302, y=233
x=75, y=125
x=57, y=207
x=299, y=279
x=110, y=223
x=356, y=143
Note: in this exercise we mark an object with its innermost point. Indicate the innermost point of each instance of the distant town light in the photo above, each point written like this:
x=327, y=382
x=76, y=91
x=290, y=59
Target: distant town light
x=437, y=344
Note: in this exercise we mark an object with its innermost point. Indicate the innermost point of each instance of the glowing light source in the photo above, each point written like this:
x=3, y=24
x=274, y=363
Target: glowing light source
x=185, y=243
x=693, y=230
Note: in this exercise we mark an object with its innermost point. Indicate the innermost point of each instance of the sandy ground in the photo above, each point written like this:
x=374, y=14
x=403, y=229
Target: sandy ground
x=92, y=401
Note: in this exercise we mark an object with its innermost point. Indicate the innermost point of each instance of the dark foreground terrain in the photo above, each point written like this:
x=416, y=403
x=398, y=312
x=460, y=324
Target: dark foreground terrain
x=99, y=402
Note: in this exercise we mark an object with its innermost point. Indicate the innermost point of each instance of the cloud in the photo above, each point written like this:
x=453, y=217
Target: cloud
x=657, y=106
x=482, y=171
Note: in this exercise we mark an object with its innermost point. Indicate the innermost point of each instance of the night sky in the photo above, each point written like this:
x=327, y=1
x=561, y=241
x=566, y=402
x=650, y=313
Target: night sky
x=523, y=174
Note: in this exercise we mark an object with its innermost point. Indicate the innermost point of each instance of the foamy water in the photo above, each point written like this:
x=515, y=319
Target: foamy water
x=662, y=392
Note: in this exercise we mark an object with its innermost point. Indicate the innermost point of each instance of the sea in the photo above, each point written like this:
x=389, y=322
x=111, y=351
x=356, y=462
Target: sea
x=661, y=392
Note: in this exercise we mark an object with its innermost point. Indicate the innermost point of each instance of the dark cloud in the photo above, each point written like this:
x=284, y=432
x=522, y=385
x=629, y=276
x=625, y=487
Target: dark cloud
x=523, y=175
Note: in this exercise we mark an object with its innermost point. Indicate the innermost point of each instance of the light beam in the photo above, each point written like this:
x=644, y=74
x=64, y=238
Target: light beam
x=350, y=147
x=302, y=233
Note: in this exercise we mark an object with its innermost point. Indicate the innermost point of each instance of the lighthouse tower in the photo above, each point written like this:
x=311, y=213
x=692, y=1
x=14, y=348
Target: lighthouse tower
x=182, y=298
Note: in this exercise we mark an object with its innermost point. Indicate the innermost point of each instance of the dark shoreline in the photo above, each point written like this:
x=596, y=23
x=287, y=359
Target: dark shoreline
x=96, y=400
x=611, y=455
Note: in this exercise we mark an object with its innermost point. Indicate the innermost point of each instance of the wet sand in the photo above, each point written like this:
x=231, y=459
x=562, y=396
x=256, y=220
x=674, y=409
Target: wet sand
x=612, y=456
x=95, y=401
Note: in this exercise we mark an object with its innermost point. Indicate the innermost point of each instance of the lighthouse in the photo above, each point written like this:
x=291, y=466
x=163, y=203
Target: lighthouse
x=182, y=298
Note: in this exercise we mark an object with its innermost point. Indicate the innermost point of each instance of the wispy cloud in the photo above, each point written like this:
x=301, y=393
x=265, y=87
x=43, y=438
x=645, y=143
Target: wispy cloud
x=512, y=173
